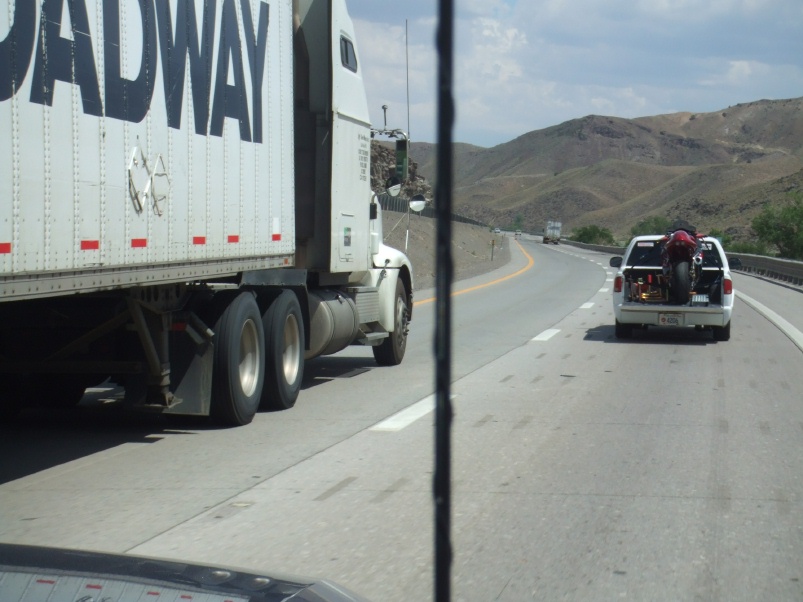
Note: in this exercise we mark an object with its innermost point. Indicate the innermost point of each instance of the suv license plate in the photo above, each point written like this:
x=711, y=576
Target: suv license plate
x=670, y=319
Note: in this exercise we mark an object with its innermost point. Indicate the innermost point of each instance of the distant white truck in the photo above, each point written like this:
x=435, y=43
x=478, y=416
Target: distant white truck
x=552, y=232
x=185, y=203
x=641, y=292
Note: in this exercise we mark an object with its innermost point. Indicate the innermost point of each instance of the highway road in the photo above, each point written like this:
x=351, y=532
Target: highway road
x=666, y=467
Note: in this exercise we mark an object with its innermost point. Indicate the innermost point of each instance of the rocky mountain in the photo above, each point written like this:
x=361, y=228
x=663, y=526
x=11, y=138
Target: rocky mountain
x=383, y=166
x=714, y=169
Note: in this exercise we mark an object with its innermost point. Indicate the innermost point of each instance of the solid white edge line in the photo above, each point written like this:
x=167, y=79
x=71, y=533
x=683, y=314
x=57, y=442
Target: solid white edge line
x=407, y=416
x=785, y=327
x=546, y=335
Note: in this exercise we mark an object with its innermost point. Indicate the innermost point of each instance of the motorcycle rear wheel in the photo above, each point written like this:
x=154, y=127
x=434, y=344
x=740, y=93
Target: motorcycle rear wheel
x=681, y=285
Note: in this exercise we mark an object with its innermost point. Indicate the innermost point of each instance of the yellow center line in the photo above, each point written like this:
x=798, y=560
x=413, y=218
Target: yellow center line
x=530, y=263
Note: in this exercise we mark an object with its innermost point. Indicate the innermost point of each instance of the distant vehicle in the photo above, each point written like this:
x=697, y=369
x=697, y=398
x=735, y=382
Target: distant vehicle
x=196, y=232
x=497, y=231
x=642, y=296
x=41, y=573
x=552, y=232
x=518, y=233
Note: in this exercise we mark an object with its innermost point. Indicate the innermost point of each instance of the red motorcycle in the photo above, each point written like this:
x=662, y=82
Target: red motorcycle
x=682, y=260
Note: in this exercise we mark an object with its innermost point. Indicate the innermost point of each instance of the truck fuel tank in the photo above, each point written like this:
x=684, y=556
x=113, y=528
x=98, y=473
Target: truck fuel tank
x=334, y=322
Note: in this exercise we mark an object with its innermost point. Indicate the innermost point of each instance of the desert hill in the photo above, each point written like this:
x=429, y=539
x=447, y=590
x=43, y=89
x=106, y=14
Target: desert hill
x=715, y=169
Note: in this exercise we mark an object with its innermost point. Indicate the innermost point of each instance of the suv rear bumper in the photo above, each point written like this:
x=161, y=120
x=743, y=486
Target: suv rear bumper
x=655, y=315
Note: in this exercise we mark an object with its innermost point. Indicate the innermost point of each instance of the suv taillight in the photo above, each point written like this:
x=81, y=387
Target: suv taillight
x=617, y=284
x=727, y=286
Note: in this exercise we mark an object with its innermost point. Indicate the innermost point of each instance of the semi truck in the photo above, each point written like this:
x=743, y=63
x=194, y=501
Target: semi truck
x=552, y=232
x=185, y=204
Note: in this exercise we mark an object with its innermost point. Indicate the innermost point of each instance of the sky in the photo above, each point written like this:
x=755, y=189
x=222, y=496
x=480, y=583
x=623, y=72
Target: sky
x=524, y=65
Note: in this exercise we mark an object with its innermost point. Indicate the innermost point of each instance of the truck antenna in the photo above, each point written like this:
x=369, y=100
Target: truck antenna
x=407, y=69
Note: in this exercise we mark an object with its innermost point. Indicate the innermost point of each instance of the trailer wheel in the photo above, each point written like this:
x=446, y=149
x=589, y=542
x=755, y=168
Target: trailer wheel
x=284, y=352
x=680, y=282
x=238, y=368
x=391, y=351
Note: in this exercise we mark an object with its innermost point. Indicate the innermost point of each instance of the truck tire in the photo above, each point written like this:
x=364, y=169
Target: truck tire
x=723, y=333
x=391, y=351
x=680, y=282
x=623, y=331
x=283, y=325
x=239, y=362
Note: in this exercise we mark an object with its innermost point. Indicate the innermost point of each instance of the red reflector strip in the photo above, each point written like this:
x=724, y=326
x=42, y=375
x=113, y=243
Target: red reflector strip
x=154, y=594
x=199, y=240
x=186, y=597
x=93, y=586
x=139, y=243
x=276, y=237
x=5, y=247
x=46, y=581
x=90, y=245
x=234, y=238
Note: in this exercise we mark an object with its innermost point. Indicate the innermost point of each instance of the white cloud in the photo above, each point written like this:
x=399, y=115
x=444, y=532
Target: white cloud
x=737, y=73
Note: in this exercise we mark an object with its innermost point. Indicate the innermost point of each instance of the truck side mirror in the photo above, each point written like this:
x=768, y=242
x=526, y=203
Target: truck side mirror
x=615, y=262
x=393, y=186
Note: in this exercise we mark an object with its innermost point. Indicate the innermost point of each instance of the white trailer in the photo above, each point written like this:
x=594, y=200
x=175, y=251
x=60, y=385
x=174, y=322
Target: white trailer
x=552, y=232
x=185, y=203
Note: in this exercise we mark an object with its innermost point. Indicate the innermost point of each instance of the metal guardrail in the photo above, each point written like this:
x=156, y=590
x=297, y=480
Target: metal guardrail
x=389, y=203
x=786, y=270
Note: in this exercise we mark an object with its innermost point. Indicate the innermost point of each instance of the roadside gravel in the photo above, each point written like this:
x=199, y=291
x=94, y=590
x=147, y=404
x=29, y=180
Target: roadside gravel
x=472, y=247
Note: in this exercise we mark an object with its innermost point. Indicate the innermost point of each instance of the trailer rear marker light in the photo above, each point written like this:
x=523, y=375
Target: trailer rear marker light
x=90, y=245
x=276, y=237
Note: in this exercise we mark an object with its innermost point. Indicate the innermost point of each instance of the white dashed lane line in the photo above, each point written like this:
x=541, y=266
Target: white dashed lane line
x=546, y=335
